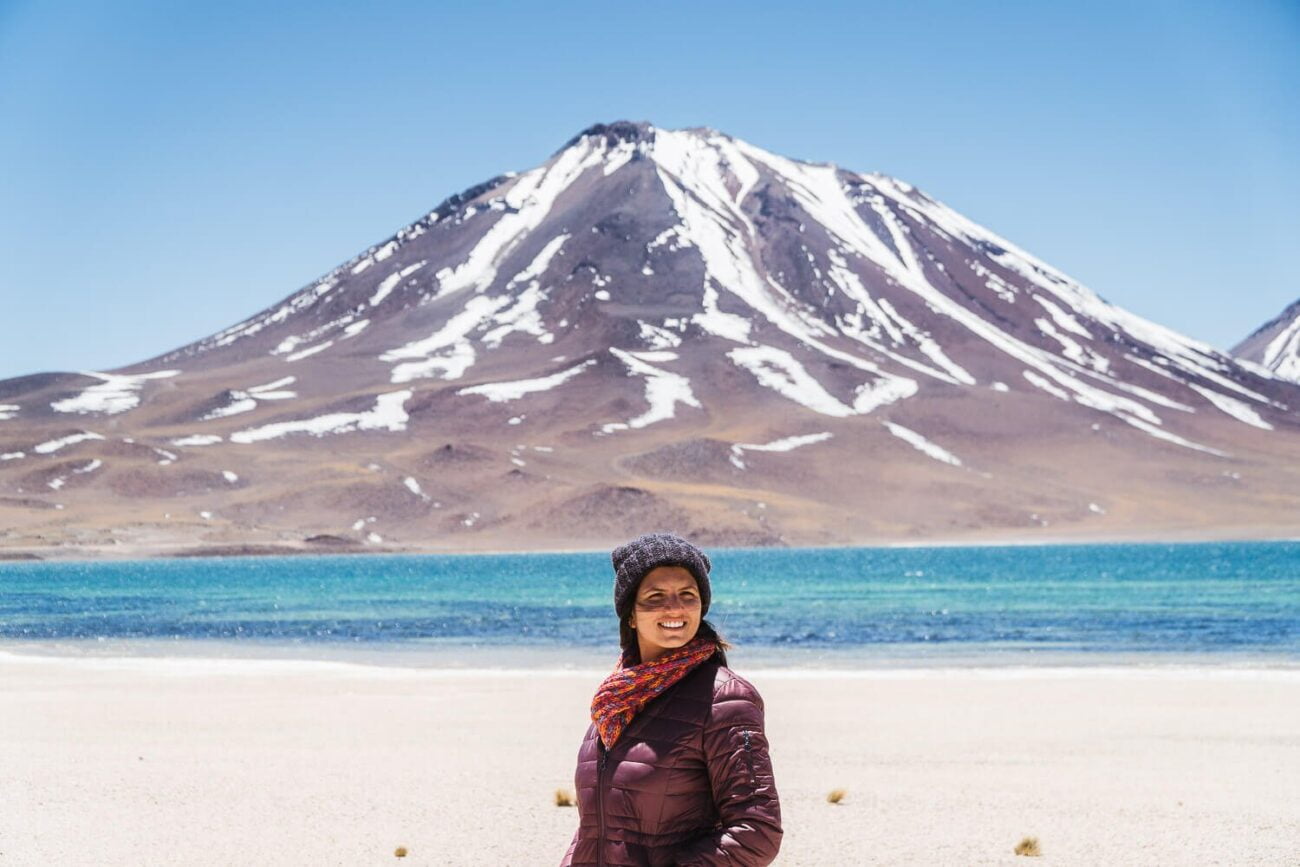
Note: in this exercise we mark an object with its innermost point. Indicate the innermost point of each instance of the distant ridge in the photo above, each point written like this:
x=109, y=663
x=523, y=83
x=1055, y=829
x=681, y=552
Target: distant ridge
x=1275, y=345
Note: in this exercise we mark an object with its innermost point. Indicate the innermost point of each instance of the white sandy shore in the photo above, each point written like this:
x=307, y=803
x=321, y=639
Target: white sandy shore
x=207, y=761
x=172, y=545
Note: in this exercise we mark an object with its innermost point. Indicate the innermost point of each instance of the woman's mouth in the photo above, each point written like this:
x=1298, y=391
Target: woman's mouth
x=672, y=624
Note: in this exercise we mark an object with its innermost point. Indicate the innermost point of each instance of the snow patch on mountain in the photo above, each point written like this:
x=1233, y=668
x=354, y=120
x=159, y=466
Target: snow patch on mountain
x=1194, y=358
x=197, y=440
x=695, y=178
x=296, y=303
x=448, y=350
x=531, y=195
x=1063, y=319
x=246, y=400
x=388, y=414
x=698, y=179
x=884, y=318
x=540, y=263
x=274, y=390
x=291, y=343
x=1232, y=407
x=663, y=391
x=522, y=317
x=1281, y=355
x=309, y=351
x=784, y=444
x=1071, y=349
x=389, y=283
x=658, y=337
x=413, y=485
x=500, y=392
x=1160, y=433
x=51, y=446
x=780, y=371
x=117, y=393
x=923, y=445
x=1042, y=383
x=240, y=403
x=821, y=194
x=620, y=156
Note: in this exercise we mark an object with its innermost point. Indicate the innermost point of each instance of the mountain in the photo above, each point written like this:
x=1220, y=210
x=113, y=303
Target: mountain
x=1275, y=345
x=661, y=329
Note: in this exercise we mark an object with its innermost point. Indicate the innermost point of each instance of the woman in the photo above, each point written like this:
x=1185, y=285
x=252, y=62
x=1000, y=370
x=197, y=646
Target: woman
x=674, y=769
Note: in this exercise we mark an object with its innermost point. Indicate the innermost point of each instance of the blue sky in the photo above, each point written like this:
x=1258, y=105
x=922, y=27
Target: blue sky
x=171, y=168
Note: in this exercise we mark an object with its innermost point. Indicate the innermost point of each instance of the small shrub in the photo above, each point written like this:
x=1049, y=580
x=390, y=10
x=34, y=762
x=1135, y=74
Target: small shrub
x=835, y=796
x=1029, y=846
x=563, y=798
x=400, y=851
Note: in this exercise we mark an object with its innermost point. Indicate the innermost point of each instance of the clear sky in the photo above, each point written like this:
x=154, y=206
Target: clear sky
x=170, y=168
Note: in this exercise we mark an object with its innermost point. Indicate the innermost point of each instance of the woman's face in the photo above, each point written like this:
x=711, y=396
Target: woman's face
x=666, y=613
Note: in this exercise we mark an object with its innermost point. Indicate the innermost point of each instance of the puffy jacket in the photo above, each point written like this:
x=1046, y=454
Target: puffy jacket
x=689, y=781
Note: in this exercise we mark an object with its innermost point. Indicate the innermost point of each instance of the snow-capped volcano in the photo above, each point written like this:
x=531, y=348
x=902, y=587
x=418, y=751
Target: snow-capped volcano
x=1275, y=345
x=678, y=327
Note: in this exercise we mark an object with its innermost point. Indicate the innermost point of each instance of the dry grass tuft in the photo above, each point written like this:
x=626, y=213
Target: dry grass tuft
x=1029, y=846
x=563, y=798
x=835, y=796
x=400, y=851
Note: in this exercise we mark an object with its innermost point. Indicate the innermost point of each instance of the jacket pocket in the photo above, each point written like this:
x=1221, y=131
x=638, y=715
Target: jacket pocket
x=749, y=756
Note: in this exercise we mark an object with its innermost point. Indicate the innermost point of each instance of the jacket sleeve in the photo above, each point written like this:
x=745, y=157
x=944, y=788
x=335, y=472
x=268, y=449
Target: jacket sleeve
x=744, y=789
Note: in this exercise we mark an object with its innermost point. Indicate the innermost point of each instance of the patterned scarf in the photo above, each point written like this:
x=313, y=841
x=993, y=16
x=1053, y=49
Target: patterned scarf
x=629, y=688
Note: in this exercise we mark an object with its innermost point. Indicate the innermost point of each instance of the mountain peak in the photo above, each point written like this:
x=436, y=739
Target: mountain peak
x=1276, y=344
x=615, y=133
x=654, y=322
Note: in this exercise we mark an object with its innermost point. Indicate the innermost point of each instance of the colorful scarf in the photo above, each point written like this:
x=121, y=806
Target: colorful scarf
x=629, y=688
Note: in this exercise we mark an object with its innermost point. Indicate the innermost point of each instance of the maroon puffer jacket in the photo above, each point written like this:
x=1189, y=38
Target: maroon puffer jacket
x=689, y=782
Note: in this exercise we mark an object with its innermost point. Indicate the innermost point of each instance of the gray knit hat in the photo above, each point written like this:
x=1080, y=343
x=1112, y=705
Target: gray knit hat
x=633, y=560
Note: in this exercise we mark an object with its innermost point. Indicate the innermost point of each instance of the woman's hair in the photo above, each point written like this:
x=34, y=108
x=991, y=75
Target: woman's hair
x=632, y=648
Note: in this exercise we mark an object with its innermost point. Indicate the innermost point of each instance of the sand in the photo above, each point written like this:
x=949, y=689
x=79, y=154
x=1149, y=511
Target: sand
x=171, y=542
x=207, y=761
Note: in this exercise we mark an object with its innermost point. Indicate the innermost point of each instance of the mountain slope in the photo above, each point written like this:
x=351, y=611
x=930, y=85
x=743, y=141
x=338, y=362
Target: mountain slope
x=670, y=328
x=1275, y=345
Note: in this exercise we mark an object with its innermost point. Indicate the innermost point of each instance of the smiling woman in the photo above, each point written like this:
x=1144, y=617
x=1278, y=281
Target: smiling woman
x=674, y=768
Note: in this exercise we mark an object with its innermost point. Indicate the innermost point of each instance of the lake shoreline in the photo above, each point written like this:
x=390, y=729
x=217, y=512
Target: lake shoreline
x=138, y=551
x=233, y=657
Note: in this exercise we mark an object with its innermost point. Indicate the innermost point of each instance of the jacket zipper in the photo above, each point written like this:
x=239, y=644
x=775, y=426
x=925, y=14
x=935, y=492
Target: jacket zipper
x=749, y=757
x=600, y=800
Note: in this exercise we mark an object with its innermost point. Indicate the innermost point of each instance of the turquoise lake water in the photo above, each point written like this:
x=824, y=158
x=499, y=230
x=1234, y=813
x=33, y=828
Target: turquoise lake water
x=1059, y=604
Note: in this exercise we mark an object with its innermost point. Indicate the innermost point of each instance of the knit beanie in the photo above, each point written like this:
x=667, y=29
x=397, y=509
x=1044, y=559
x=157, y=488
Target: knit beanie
x=633, y=560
